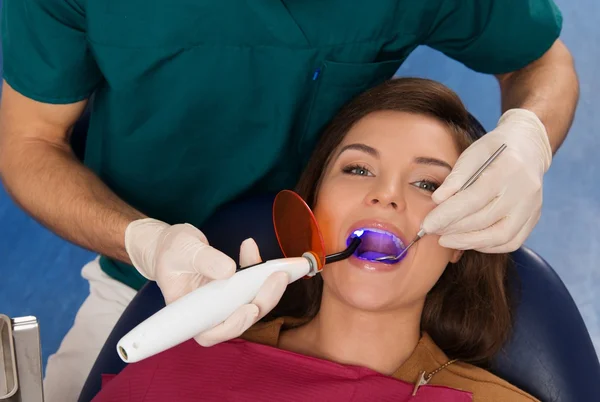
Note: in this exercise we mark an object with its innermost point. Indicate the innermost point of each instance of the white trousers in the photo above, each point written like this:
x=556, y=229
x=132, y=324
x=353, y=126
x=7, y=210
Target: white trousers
x=68, y=369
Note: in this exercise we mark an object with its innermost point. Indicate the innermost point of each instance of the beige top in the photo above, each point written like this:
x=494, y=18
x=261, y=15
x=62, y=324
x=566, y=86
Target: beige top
x=426, y=358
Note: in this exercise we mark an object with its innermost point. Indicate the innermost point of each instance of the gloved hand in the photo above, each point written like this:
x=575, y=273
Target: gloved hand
x=497, y=212
x=180, y=260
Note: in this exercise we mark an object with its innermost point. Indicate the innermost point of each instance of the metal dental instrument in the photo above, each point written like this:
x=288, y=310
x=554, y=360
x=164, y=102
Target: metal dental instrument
x=464, y=187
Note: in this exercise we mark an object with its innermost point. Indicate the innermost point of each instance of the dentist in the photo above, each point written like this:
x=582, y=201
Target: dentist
x=199, y=103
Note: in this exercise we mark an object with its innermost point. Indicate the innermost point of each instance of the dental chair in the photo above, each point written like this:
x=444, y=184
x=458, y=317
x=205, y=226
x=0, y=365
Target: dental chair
x=551, y=355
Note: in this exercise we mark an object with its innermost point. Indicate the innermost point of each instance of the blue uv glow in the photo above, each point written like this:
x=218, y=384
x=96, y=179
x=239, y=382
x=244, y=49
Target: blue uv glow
x=359, y=233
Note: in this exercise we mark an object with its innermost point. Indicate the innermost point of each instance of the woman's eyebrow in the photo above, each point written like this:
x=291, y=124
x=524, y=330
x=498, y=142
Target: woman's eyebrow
x=360, y=147
x=422, y=160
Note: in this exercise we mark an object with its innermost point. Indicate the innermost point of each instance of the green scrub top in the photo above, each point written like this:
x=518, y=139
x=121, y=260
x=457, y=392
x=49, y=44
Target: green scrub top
x=199, y=102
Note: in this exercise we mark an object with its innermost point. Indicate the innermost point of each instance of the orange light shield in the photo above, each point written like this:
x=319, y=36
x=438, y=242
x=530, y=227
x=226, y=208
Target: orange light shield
x=296, y=227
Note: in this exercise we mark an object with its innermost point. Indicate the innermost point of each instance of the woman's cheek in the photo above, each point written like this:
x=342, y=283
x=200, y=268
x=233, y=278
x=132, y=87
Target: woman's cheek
x=327, y=225
x=430, y=249
x=427, y=205
x=432, y=254
x=420, y=202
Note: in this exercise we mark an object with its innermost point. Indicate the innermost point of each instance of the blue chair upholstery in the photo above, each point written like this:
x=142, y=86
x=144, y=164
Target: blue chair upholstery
x=550, y=355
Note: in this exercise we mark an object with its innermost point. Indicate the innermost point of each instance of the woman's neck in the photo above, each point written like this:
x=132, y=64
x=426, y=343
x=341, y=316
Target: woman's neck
x=381, y=341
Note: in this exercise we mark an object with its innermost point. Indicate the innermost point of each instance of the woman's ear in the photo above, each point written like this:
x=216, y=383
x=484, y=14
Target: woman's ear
x=456, y=255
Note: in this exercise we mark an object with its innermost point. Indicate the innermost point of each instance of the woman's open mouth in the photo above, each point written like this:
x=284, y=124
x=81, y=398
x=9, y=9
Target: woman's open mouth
x=376, y=243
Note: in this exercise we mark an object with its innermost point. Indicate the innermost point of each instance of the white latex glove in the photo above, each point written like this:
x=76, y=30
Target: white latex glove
x=180, y=260
x=497, y=213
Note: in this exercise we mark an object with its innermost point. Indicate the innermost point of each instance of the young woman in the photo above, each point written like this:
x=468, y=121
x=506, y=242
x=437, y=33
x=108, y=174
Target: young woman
x=423, y=327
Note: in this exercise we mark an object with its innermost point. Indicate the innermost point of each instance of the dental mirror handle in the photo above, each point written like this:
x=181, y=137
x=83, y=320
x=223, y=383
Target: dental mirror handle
x=205, y=308
x=479, y=171
x=418, y=237
x=471, y=180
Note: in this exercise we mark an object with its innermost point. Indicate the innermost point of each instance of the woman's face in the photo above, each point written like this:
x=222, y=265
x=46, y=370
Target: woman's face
x=381, y=178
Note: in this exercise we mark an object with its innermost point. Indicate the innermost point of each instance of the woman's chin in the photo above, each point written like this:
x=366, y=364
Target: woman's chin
x=368, y=302
x=362, y=295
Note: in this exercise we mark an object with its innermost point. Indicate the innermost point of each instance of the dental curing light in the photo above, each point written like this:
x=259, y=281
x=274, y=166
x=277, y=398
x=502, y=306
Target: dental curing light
x=302, y=244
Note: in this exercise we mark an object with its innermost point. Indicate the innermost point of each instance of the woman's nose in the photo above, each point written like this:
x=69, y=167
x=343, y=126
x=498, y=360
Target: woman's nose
x=387, y=196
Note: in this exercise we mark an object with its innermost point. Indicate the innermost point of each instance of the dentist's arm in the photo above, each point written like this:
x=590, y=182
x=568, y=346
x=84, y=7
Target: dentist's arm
x=47, y=56
x=499, y=211
x=549, y=88
x=41, y=173
x=43, y=176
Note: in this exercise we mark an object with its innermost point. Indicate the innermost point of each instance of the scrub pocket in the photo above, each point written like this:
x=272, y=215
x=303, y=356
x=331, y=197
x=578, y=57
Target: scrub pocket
x=335, y=85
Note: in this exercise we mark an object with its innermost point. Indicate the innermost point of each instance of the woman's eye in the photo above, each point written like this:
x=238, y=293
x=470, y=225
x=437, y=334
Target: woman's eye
x=358, y=170
x=426, y=185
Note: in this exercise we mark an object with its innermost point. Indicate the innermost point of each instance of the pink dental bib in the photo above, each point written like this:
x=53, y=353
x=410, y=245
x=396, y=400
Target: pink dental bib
x=244, y=371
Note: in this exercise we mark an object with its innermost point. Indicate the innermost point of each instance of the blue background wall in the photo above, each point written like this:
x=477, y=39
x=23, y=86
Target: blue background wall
x=40, y=273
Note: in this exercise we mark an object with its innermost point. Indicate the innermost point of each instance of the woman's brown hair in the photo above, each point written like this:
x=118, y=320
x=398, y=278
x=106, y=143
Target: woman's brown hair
x=468, y=311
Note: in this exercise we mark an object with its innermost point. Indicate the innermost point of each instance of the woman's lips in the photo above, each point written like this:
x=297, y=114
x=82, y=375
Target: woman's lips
x=378, y=225
x=373, y=266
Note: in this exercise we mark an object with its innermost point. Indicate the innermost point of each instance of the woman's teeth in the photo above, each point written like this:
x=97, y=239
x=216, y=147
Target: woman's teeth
x=378, y=243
